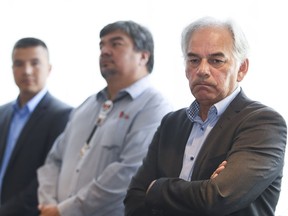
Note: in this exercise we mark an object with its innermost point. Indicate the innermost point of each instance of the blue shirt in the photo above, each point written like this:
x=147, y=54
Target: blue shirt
x=200, y=131
x=94, y=182
x=19, y=119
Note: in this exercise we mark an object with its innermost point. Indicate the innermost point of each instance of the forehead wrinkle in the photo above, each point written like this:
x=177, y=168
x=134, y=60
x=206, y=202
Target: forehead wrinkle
x=214, y=39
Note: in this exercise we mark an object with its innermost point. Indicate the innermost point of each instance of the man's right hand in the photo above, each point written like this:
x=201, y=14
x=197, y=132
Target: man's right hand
x=219, y=169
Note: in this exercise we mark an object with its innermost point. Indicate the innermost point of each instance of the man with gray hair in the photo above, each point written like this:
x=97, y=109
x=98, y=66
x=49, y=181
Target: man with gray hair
x=224, y=154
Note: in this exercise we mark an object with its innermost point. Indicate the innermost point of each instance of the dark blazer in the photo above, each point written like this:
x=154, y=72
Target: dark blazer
x=19, y=189
x=249, y=135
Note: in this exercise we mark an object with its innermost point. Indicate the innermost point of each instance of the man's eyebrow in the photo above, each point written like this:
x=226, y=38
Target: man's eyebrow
x=116, y=38
x=190, y=54
x=218, y=54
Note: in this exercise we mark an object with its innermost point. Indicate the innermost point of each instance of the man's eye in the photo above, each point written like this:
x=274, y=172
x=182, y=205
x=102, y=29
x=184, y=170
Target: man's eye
x=216, y=62
x=34, y=63
x=194, y=62
x=115, y=44
x=17, y=64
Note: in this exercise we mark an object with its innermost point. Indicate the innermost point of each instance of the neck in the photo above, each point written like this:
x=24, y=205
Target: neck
x=24, y=98
x=114, y=86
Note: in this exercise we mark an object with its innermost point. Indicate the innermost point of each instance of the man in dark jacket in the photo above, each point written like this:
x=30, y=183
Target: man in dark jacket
x=28, y=128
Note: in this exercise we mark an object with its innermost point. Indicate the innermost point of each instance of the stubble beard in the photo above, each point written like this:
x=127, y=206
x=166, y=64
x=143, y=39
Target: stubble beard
x=106, y=74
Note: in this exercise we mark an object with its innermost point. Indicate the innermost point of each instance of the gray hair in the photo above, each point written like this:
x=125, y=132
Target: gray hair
x=240, y=46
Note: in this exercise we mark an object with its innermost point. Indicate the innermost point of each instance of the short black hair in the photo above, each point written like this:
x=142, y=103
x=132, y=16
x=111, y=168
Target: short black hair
x=140, y=35
x=29, y=42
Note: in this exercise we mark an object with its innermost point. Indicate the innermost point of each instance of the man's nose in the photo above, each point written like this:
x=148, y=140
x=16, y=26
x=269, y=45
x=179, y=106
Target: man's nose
x=105, y=50
x=204, y=68
x=28, y=69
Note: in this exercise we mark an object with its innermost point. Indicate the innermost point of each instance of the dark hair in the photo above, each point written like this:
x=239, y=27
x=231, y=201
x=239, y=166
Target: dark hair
x=29, y=42
x=141, y=37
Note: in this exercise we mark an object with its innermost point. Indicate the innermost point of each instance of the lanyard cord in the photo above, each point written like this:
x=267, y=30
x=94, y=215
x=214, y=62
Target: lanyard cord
x=105, y=109
x=91, y=134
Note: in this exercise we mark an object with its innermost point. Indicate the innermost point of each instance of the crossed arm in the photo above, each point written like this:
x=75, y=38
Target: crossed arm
x=214, y=175
x=52, y=210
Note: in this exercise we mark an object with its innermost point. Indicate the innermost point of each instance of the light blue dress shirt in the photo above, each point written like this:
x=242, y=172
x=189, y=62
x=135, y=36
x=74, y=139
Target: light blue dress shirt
x=94, y=182
x=200, y=131
x=19, y=119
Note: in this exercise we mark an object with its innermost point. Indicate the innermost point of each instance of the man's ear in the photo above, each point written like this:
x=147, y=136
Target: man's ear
x=243, y=69
x=49, y=69
x=144, y=58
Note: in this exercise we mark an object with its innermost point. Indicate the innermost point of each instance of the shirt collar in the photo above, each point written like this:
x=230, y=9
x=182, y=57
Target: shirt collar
x=223, y=104
x=133, y=90
x=220, y=106
x=33, y=102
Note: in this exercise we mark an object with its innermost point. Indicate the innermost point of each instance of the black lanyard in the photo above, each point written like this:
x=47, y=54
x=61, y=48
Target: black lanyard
x=105, y=109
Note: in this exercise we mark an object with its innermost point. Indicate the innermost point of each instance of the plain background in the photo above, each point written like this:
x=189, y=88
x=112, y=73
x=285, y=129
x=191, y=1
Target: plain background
x=71, y=28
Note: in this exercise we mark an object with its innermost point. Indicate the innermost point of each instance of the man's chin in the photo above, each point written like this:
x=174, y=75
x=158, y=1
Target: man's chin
x=107, y=73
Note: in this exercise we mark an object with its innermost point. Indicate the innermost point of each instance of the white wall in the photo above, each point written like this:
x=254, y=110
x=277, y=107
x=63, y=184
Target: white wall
x=71, y=27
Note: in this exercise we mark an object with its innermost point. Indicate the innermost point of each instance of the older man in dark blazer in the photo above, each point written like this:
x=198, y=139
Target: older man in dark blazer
x=180, y=174
x=28, y=128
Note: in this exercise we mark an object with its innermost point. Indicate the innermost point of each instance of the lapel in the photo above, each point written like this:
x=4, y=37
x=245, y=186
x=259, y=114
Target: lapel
x=4, y=128
x=179, y=129
x=185, y=131
x=30, y=125
x=217, y=133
